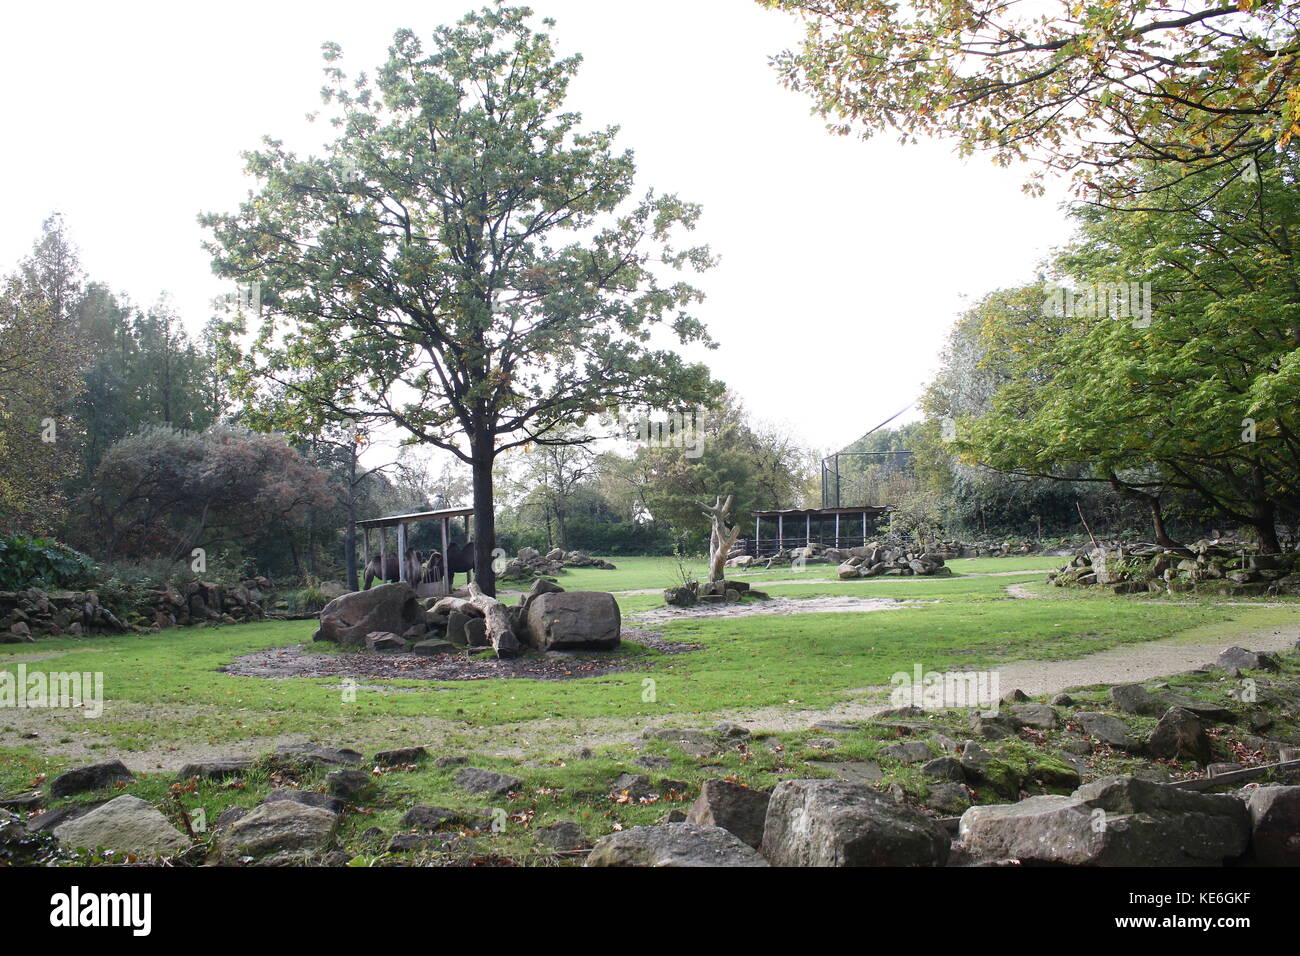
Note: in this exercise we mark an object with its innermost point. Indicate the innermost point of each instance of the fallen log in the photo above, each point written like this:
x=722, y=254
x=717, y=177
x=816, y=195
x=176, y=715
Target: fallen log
x=499, y=632
x=1234, y=776
x=449, y=604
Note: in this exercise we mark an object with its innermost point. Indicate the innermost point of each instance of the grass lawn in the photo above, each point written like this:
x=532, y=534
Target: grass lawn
x=632, y=574
x=808, y=660
x=167, y=695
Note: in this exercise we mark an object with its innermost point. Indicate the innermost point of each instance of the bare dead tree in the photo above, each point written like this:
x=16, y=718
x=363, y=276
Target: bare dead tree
x=723, y=535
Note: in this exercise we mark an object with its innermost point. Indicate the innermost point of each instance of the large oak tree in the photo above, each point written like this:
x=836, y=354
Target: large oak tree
x=468, y=263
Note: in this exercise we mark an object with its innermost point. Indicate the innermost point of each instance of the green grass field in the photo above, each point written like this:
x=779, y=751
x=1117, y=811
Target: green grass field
x=168, y=698
x=633, y=574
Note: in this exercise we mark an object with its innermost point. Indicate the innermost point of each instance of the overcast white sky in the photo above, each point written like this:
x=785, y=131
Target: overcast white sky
x=843, y=263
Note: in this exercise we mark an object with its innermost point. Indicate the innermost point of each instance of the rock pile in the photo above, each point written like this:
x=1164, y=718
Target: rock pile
x=711, y=592
x=530, y=563
x=874, y=560
x=390, y=619
x=1212, y=566
x=867, y=561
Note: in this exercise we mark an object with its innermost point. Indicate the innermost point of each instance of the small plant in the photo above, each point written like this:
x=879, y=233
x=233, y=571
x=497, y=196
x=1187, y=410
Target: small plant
x=685, y=576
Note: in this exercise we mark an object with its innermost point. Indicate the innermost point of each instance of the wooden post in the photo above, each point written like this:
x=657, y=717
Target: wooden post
x=807, y=529
x=756, y=539
x=780, y=532
x=365, y=558
x=401, y=551
x=446, y=560
x=864, y=529
x=837, y=529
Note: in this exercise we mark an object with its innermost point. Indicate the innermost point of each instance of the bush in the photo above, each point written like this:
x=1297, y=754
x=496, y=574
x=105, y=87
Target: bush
x=41, y=562
x=308, y=600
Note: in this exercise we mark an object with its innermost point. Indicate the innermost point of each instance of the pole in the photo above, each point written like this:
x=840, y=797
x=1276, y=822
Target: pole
x=446, y=558
x=401, y=551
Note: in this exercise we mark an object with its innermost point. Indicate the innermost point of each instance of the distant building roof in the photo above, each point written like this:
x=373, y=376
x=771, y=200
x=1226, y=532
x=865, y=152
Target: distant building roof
x=391, y=520
x=819, y=512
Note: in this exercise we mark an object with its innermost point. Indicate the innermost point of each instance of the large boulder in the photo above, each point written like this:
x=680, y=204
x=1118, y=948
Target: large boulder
x=733, y=807
x=1136, y=699
x=348, y=619
x=1275, y=825
x=94, y=777
x=1238, y=658
x=574, y=620
x=1115, y=821
x=833, y=823
x=1180, y=736
x=673, y=844
x=278, y=834
x=217, y=768
x=126, y=824
x=1109, y=730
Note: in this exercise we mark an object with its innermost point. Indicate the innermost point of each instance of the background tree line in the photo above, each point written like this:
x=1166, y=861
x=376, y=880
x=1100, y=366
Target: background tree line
x=151, y=457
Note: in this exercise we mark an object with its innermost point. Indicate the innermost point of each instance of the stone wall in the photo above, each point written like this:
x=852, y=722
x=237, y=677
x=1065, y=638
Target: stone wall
x=26, y=615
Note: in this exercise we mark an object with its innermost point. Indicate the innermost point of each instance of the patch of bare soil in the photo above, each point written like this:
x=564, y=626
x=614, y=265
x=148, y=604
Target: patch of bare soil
x=1022, y=592
x=823, y=605
x=279, y=663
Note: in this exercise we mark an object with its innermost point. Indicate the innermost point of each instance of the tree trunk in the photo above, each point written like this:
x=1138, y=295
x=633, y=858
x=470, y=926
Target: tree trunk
x=350, y=546
x=1266, y=527
x=350, y=534
x=1158, y=525
x=721, y=537
x=485, y=528
x=499, y=632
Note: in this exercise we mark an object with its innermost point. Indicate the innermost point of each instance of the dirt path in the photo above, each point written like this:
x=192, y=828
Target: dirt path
x=1130, y=663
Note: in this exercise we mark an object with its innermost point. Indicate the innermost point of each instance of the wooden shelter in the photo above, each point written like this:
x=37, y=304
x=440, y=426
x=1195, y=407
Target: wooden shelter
x=444, y=518
x=799, y=527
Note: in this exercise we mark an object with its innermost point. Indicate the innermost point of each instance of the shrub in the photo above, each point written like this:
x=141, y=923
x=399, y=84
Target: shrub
x=41, y=562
